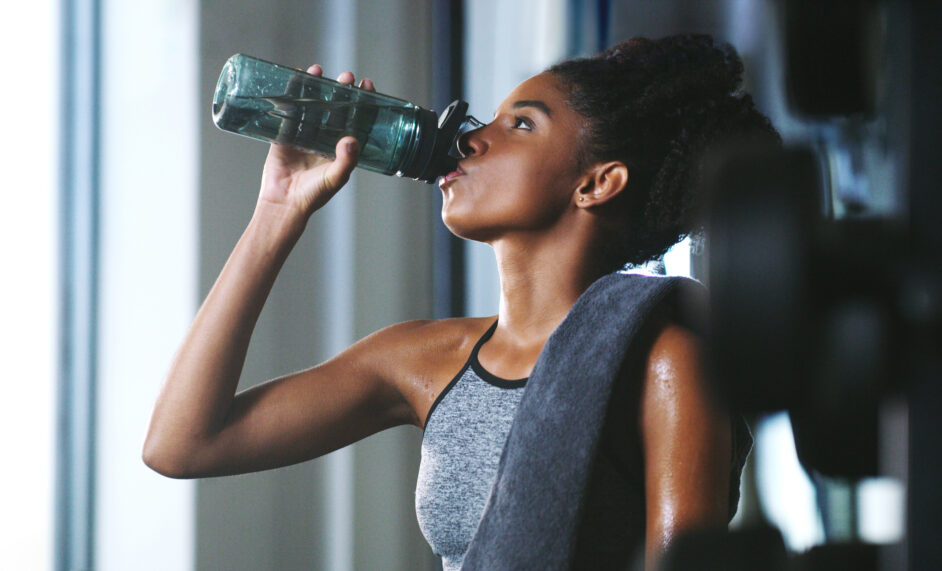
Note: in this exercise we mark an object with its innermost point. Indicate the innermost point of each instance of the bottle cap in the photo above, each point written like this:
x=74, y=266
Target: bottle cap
x=438, y=151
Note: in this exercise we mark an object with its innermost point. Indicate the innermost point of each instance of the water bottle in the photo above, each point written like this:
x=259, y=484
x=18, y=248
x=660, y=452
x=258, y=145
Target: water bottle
x=279, y=104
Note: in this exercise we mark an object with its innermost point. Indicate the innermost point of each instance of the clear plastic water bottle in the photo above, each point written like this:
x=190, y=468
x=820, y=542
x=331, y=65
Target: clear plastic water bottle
x=279, y=104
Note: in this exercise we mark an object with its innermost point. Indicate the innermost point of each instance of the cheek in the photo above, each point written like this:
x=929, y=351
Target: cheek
x=540, y=188
x=520, y=203
x=509, y=195
x=536, y=178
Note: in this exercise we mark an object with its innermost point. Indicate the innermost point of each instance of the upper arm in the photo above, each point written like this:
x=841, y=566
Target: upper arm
x=686, y=442
x=312, y=412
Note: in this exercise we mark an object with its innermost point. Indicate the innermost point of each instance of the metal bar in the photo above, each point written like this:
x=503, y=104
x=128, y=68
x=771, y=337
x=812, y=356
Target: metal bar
x=448, y=261
x=75, y=469
x=925, y=199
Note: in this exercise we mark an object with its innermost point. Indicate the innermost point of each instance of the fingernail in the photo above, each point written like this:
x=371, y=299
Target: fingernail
x=351, y=146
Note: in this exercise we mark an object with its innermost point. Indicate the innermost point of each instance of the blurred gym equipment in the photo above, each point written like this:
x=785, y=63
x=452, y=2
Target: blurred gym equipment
x=822, y=305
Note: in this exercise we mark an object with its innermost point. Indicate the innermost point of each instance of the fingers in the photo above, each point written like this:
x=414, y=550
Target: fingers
x=338, y=172
x=346, y=78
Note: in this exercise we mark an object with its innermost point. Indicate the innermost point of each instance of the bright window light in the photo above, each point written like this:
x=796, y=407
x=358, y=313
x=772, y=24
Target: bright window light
x=785, y=491
x=677, y=259
x=881, y=504
x=28, y=244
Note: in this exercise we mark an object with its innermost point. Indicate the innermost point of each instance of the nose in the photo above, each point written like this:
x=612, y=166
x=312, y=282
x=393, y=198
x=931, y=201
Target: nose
x=467, y=143
x=465, y=149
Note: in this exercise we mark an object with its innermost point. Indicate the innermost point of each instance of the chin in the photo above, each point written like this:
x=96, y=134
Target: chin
x=465, y=227
x=456, y=228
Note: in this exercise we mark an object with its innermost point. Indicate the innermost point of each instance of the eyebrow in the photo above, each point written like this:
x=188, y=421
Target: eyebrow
x=533, y=103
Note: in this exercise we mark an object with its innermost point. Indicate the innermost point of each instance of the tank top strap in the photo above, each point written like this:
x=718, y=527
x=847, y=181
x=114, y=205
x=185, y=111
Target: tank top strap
x=473, y=356
x=475, y=365
x=470, y=363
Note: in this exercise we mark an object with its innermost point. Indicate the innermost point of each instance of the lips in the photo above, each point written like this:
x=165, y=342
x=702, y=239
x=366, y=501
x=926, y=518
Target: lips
x=450, y=176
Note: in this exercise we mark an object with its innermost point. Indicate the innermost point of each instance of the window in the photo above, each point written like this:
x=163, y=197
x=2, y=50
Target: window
x=28, y=249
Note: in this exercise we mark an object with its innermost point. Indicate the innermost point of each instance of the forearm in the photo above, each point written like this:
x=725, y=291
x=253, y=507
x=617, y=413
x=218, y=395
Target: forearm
x=199, y=388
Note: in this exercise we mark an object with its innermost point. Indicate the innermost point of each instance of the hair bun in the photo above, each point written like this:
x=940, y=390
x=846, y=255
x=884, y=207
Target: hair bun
x=657, y=105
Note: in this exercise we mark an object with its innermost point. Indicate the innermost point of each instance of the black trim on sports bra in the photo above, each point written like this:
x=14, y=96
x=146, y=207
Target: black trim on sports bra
x=484, y=373
x=472, y=361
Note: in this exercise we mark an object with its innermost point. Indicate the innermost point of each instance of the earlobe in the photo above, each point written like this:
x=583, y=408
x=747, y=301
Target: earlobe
x=602, y=183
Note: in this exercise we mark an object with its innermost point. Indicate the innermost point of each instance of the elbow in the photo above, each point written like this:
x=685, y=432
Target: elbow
x=165, y=462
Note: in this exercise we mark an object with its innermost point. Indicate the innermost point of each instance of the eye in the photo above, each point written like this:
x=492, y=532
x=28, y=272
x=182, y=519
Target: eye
x=523, y=123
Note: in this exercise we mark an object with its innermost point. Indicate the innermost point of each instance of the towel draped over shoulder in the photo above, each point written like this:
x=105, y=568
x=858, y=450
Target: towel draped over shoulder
x=532, y=516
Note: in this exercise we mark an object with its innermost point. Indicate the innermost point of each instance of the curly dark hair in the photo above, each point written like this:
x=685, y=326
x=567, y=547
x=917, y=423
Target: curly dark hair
x=658, y=105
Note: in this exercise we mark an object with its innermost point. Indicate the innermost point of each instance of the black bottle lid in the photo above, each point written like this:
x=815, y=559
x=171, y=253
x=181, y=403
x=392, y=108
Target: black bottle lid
x=435, y=155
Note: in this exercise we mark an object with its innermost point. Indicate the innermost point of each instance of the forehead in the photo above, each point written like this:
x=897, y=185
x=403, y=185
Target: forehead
x=543, y=87
x=546, y=89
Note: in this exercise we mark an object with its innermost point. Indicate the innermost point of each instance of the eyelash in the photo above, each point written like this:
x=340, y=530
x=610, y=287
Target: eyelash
x=526, y=122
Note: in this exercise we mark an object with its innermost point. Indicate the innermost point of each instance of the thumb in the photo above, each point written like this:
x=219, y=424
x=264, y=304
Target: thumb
x=338, y=172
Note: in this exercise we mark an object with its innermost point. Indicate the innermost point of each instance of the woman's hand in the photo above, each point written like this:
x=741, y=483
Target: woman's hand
x=299, y=182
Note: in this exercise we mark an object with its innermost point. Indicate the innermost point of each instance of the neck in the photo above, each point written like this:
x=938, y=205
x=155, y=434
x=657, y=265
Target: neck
x=540, y=281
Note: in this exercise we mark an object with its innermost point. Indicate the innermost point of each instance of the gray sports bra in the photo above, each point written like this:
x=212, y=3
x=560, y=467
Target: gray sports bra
x=464, y=435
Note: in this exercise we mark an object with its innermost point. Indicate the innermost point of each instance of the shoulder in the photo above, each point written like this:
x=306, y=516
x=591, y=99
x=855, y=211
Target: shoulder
x=673, y=370
x=419, y=358
x=420, y=338
x=402, y=352
x=676, y=392
x=673, y=346
x=672, y=320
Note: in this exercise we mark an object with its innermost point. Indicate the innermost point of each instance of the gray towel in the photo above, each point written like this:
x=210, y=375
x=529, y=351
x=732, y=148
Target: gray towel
x=533, y=513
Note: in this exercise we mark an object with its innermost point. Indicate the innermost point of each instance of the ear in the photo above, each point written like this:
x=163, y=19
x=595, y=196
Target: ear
x=601, y=184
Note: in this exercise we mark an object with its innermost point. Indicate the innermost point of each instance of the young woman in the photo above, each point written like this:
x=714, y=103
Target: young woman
x=586, y=167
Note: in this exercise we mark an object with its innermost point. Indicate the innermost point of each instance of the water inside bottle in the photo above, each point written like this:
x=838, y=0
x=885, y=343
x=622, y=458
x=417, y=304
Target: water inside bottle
x=386, y=133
